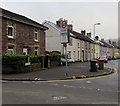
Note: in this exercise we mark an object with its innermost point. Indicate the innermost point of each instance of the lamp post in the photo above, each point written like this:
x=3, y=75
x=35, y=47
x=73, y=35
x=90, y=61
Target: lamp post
x=94, y=36
x=94, y=28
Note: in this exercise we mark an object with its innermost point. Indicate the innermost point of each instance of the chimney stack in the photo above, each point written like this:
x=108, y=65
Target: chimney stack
x=102, y=39
x=114, y=43
x=83, y=32
x=89, y=34
x=110, y=42
x=70, y=27
x=97, y=38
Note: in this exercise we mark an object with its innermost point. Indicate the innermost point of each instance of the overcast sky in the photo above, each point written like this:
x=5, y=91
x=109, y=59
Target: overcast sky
x=83, y=15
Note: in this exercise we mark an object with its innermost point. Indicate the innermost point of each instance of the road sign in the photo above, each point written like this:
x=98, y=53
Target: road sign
x=63, y=26
x=64, y=31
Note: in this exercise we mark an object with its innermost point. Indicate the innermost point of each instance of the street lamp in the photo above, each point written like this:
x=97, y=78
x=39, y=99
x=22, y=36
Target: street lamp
x=94, y=37
x=94, y=28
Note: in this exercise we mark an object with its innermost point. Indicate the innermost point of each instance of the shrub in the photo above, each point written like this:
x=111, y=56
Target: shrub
x=6, y=59
x=35, y=59
x=63, y=56
x=55, y=56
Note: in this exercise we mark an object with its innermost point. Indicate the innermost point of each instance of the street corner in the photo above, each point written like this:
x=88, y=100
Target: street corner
x=107, y=71
x=104, y=73
x=22, y=79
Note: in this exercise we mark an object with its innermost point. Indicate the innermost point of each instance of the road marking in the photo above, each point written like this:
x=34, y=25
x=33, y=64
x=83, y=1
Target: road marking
x=54, y=84
x=83, y=76
x=57, y=98
x=65, y=80
x=66, y=85
x=88, y=82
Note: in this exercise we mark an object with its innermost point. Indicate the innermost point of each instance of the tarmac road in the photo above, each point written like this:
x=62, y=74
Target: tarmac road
x=103, y=90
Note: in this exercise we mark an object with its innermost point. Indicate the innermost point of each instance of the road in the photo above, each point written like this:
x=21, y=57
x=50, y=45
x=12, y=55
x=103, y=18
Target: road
x=102, y=90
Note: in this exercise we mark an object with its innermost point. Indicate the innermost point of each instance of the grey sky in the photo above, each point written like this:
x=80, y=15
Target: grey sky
x=83, y=15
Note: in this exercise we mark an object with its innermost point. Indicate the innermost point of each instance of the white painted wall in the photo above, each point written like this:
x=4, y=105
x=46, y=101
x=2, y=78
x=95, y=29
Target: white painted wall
x=53, y=40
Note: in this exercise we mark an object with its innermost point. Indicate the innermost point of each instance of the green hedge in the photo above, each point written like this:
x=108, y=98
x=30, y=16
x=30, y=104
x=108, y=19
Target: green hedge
x=35, y=59
x=55, y=57
x=6, y=59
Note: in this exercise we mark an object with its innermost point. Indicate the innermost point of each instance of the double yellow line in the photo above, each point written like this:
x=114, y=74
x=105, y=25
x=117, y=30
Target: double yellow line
x=38, y=80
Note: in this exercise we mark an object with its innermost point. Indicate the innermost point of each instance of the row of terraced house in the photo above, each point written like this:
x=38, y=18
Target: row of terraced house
x=21, y=35
x=81, y=46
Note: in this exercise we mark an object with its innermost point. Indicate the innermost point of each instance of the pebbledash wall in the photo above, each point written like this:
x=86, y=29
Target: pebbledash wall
x=23, y=30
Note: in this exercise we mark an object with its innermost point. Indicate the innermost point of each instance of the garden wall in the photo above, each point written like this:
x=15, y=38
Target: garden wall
x=17, y=64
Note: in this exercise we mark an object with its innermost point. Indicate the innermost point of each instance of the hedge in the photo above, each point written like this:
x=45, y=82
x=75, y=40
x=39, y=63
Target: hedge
x=55, y=56
x=6, y=59
x=35, y=59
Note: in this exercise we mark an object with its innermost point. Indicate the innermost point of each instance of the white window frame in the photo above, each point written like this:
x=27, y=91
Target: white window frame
x=69, y=54
x=36, y=32
x=10, y=49
x=10, y=26
x=36, y=50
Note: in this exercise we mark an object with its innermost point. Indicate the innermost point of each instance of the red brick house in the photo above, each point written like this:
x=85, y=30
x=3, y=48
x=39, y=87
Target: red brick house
x=21, y=35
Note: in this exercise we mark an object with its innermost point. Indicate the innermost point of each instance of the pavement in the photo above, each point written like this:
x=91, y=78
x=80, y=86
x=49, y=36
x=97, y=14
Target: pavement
x=72, y=71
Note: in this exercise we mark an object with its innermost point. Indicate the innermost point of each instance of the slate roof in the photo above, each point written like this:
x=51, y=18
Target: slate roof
x=99, y=42
x=81, y=36
x=78, y=35
x=74, y=34
x=20, y=18
x=107, y=44
x=116, y=46
x=52, y=24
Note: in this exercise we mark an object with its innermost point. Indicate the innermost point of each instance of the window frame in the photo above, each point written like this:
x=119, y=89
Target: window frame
x=10, y=49
x=10, y=26
x=36, y=32
x=36, y=50
x=69, y=54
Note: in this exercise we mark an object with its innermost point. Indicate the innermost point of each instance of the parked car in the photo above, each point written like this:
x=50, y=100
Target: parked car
x=63, y=61
x=109, y=58
x=114, y=57
x=103, y=58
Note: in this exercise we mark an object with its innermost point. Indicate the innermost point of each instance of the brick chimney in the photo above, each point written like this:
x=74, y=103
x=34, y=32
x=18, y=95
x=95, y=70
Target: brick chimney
x=70, y=27
x=83, y=32
x=114, y=43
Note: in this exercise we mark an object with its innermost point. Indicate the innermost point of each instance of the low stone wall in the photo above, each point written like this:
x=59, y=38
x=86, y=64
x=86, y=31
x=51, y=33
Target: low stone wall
x=55, y=64
x=21, y=68
x=15, y=68
x=36, y=67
